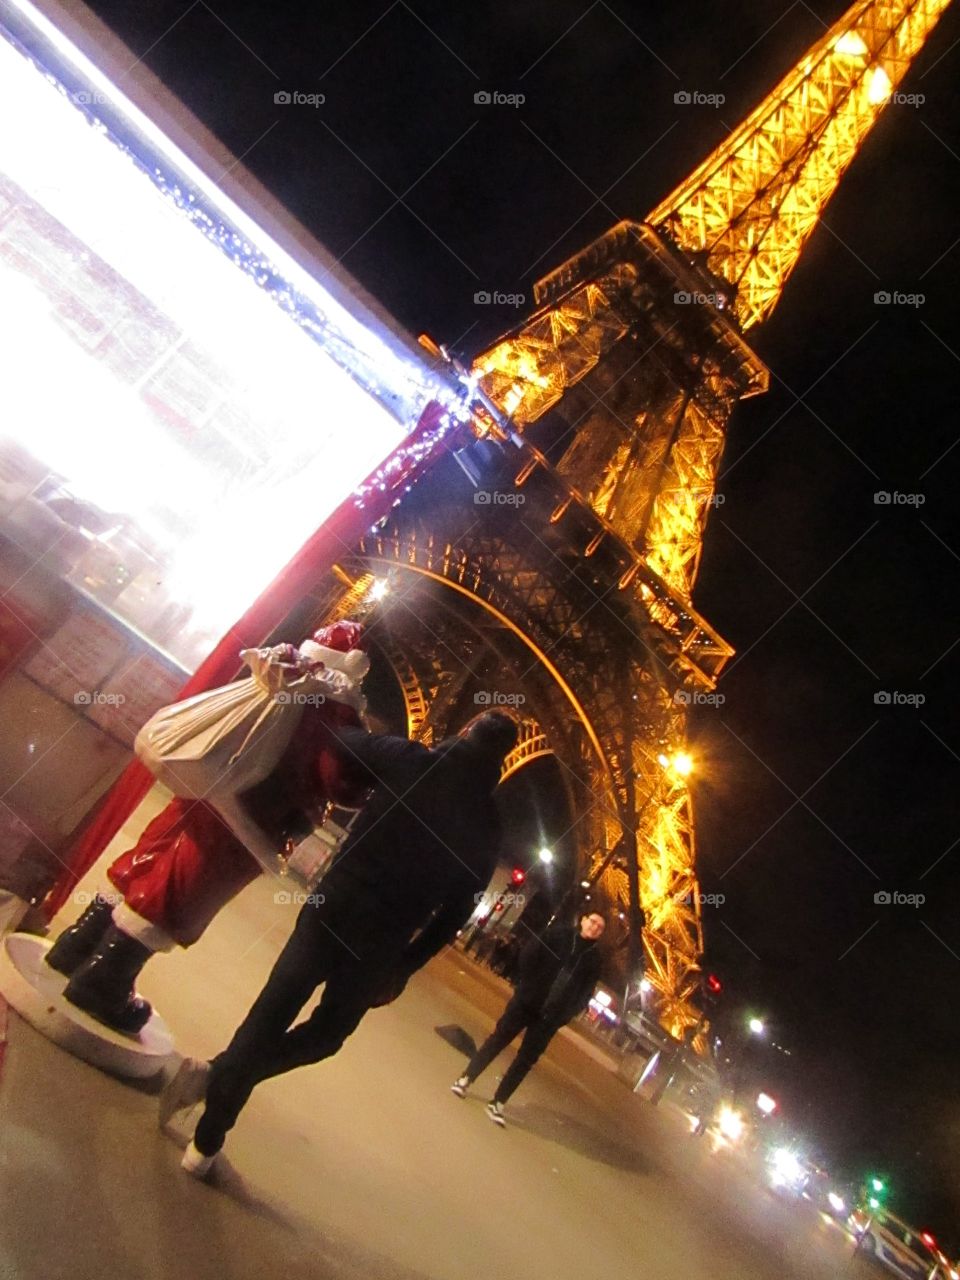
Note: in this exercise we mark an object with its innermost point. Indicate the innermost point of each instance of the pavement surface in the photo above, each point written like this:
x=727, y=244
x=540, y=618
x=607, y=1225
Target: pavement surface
x=366, y=1165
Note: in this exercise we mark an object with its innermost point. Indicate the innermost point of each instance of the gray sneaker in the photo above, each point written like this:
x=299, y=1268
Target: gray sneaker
x=460, y=1087
x=187, y=1088
x=495, y=1112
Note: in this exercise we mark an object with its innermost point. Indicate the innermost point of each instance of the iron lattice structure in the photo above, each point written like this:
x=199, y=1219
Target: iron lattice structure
x=571, y=584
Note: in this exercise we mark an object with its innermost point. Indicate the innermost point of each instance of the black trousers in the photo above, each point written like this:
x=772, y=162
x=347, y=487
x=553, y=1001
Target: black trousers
x=515, y=1018
x=328, y=947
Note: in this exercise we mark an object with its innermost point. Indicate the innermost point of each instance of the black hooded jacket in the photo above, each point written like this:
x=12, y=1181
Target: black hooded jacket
x=423, y=847
x=558, y=973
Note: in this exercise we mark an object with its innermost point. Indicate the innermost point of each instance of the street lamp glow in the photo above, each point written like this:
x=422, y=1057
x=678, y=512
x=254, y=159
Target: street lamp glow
x=545, y=855
x=645, y=985
x=766, y=1104
x=756, y=1026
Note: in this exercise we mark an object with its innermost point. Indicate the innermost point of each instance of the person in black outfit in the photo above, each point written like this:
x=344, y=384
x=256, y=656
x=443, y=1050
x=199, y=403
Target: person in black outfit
x=407, y=878
x=558, y=974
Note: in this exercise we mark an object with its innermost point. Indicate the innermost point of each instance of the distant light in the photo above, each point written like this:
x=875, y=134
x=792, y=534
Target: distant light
x=836, y=1202
x=545, y=855
x=380, y=588
x=645, y=985
x=788, y=1166
x=766, y=1104
x=851, y=45
x=730, y=1123
x=877, y=1184
x=683, y=764
x=879, y=87
x=662, y=759
x=584, y=884
x=756, y=1026
x=928, y=1239
x=604, y=998
x=873, y=1202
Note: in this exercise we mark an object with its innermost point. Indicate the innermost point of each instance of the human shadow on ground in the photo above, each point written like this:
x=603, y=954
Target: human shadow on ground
x=578, y=1136
x=458, y=1039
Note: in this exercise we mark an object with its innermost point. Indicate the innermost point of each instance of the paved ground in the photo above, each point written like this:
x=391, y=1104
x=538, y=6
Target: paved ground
x=367, y=1166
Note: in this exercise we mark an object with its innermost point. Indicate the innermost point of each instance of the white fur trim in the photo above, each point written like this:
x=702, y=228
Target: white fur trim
x=147, y=934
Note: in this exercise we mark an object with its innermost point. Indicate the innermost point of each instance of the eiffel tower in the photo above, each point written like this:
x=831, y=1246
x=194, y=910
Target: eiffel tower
x=551, y=563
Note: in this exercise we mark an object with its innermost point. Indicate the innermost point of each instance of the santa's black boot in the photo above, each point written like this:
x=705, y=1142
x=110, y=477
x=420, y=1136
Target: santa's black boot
x=79, y=942
x=103, y=985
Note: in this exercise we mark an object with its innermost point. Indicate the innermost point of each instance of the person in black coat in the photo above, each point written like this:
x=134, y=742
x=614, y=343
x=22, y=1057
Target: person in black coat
x=558, y=973
x=407, y=878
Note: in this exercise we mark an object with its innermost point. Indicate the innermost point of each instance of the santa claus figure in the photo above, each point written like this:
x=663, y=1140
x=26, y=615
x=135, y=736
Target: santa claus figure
x=189, y=862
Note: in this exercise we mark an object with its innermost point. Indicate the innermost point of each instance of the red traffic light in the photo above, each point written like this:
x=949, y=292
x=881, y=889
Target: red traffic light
x=714, y=984
x=518, y=876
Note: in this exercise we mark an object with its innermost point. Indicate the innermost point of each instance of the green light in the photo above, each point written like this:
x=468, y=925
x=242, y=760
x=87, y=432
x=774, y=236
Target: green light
x=877, y=1184
x=873, y=1202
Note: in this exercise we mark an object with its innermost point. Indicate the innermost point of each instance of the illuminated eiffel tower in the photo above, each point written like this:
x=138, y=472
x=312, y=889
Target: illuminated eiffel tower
x=553, y=559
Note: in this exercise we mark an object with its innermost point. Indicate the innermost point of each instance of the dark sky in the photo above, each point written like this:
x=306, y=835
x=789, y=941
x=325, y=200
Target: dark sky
x=811, y=796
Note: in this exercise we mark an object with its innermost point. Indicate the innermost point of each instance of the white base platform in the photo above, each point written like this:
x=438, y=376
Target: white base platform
x=35, y=991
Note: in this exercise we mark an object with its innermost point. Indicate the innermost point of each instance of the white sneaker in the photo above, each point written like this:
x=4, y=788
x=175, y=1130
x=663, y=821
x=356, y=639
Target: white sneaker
x=185, y=1090
x=195, y=1163
x=495, y=1111
x=460, y=1087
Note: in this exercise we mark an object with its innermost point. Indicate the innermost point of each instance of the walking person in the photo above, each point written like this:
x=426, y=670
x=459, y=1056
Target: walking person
x=558, y=973
x=407, y=878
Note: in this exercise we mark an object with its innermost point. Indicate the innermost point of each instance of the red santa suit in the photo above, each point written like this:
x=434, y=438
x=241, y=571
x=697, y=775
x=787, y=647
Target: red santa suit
x=188, y=863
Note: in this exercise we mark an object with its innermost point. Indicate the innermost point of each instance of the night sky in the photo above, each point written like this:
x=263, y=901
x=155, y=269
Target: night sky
x=811, y=796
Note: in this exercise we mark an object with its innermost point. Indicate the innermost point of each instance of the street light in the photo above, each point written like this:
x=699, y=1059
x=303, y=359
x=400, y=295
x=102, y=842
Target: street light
x=545, y=855
x=766, y=1104
x=756, y=1026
